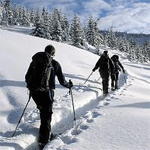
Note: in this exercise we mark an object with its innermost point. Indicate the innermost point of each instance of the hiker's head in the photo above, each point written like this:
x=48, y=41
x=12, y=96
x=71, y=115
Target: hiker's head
x=116, y=57
x=105, y=53
x=50, y=50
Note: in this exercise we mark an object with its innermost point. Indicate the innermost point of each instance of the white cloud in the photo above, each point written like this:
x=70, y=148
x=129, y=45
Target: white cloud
x=134, y=19
x=96, y=6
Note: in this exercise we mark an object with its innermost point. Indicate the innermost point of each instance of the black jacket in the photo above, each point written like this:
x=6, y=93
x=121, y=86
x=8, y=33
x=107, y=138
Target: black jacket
x=56, y=70
x=101, y=64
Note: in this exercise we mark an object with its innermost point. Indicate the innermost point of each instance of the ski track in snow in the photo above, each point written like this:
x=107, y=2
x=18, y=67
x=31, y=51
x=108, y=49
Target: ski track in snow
x=71, y=129
x=82, y=123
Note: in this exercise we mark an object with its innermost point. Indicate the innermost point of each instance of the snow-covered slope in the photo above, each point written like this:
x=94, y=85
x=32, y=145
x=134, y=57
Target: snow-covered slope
x=119, y=121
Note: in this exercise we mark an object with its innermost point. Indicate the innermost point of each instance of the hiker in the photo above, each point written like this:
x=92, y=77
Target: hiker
x=44, y=98
x=106, y=67
x=117, y=67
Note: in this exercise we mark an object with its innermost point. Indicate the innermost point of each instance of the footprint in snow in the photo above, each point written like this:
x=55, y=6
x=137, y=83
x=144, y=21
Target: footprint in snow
x=84, y=127
x=106, y=103
x=76, y=132
x=95, y=114
x=89, y=120
x=68, y=140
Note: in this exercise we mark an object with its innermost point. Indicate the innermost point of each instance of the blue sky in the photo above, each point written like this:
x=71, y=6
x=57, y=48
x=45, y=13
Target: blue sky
x=121, y=15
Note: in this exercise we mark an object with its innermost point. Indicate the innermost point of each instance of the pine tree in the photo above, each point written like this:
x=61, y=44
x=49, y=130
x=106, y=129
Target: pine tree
x=56, y=30
x=65, y=29
x=25, y=19
x=132, y=53
x=15, y=15
x=111, y=40
x=32, y=16
x=76, y=32
x=46, y=24
x=90, y=32
x=1, y=11
x=38, y=31
x=8, y=16
x=146, y=51
x=93, y=35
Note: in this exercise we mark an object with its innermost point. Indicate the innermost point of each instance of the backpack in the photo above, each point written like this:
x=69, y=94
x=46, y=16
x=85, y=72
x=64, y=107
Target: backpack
x=117, y=68
x=104, y=63
x=38, y=74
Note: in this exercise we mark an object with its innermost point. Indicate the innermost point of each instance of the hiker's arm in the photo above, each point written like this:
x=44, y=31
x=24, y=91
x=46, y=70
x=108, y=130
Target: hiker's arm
x=121, y=66
x=60, y=76
x=96, y=65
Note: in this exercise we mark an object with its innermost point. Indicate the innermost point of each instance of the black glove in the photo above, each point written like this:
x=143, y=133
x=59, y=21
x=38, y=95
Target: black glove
x=93, y=69
x=70, y=84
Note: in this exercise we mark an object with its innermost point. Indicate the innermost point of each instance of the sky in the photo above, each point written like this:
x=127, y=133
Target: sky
x=130, y=16
x=119, y=121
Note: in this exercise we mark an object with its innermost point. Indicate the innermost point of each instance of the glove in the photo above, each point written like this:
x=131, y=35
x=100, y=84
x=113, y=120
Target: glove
x=93, y=69
x=70, y=84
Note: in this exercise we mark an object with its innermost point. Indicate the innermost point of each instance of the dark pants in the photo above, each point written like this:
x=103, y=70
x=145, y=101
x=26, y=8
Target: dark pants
x=105, y=80
x=44, y=101
x=114, y=80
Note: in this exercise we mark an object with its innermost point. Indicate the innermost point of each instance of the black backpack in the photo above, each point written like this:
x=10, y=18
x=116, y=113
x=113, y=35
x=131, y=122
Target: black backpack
x=38, y=74
x=104, y=63
x=117, y=68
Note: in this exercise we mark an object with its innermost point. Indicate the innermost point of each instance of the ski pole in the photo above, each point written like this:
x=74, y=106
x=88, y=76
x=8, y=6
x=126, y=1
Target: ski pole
x=88, y=77
x=22, y=115
x=70, y=91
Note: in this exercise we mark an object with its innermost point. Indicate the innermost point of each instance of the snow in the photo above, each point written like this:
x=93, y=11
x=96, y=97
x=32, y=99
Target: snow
x=120, y=121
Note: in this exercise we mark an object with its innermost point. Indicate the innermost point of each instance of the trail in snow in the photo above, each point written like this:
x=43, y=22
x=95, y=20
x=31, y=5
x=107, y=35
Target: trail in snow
x=66, y=126
x=92, y=110
x=86, y=116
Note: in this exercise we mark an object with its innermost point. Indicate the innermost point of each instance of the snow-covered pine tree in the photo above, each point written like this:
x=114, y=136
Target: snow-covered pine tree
x=121, y=44
x=15, y=15
x=7, y=13
x=146, y=51
x=1, y=10
x=56, y=30
x=76, y=32
x=93, y=35
x=32, y=16
x=132, y=55
x=111, y=39
x=90, y=31
x=65, y=29
x=46, y=24
x=25, y=18
x=38, y=31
